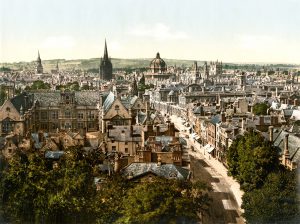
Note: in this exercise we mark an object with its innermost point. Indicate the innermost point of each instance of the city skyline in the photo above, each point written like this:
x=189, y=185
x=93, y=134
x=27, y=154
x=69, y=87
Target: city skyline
x=230, y=31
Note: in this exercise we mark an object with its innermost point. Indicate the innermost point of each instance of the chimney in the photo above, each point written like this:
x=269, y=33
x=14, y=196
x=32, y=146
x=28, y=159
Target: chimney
x=117, y=164
x=226, y=143
x=223, y=118
x=286, y=146
x=158, y=160
x=295, y=102
x=243, y=124
x=271, y=135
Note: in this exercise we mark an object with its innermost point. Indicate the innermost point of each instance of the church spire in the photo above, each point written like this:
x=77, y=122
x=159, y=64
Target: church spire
x=105, y=56
x=39, y=58
x=39, y=66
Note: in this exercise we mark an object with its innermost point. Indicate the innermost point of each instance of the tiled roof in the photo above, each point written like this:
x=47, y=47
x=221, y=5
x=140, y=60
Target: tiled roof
x=169, y=171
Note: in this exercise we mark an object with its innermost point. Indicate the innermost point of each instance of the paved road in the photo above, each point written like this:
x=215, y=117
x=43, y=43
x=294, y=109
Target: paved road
x=224, y=207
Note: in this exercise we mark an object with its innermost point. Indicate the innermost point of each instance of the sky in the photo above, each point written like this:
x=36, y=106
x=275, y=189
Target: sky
x=242, y=31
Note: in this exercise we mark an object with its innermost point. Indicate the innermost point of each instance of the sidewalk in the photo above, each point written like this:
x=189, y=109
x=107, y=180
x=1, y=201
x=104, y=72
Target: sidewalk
x=214, y=163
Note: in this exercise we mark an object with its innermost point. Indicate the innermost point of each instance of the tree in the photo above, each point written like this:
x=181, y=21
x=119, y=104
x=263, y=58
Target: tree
x=164, y=201
x=250, y=159
x=275, y=202
x=38, y=84
x=2, y=96
x=260, y=109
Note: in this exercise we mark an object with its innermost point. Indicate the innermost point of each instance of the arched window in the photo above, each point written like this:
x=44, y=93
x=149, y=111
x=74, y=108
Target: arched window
x=117, y=107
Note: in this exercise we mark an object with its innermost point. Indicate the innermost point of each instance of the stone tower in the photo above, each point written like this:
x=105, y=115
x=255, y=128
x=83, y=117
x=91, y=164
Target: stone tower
x=105, y=66
x=39, y=66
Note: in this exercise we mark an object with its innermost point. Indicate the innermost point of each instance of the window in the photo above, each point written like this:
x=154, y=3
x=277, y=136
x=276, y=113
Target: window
x=126, y=150
x=117, y=107
x=37, y=117
x=126, y=143
x=91, y=115
x=44, y=126
x=7, y=109
x=54, y=115
x=79, y=125
x=91, y=125
x=67, y=114
x=44, y=115
x=7, y=126
x=80, y=115
x=113, y=148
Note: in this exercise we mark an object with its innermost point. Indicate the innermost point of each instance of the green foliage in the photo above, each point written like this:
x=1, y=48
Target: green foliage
x=270, y=190
x=260, y=109
x=164, y=201
x=4, y=69
x=142, y=87
x=85, y=87
x=33, y=191
x=275, y=202
x=73, y=86
x=38, y=84
x=2, y=96
x=250, y=159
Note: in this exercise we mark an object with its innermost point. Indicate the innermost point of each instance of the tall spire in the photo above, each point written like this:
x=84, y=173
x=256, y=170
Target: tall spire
x=39, y=58
x=105, y=56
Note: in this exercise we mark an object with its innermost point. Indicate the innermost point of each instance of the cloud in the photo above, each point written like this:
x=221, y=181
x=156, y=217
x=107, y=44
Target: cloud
x=158, y=31
x=59, y=42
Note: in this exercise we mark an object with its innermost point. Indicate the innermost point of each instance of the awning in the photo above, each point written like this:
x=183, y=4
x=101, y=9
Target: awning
x=209, y=148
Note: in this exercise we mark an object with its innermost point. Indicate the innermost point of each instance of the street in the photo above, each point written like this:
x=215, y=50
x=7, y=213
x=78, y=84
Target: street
x=225, y=207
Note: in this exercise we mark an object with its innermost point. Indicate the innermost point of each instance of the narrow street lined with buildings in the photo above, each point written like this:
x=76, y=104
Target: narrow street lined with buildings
x=226, y=194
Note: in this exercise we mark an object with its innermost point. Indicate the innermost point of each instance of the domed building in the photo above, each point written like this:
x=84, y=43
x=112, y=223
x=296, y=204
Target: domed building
x=158, y=65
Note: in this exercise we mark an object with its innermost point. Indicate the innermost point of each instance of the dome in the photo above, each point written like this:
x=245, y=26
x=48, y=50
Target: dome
x=158, y=65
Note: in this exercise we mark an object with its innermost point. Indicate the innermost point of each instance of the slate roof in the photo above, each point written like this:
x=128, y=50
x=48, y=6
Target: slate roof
x=293, y=144
x=110, y=98
x=19, y=101
x=52, y=98
x=215, y=119
x=168, y=171
x=47, y=98
x=35, y=138
x=53, y=154
x=88, y=98
x=141, y=117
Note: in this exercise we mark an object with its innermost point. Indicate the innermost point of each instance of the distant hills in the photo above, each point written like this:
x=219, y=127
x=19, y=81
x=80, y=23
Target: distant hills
x=93, y=64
